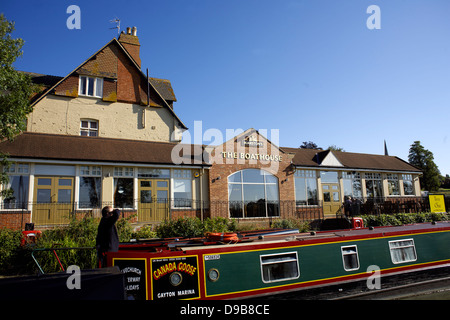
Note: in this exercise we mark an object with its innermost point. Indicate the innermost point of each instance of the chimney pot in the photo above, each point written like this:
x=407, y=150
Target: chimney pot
x=134, y=31
x=128, y=30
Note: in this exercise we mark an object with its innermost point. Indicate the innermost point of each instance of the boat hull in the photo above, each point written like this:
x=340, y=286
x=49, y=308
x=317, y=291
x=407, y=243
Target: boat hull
x=281, y=263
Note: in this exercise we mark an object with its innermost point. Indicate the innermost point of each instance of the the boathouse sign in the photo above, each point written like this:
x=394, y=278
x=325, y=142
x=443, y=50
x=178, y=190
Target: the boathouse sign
x=175, y=278
x=251, y=156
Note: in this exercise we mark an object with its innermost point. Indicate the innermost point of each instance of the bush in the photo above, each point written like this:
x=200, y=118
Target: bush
x=402, y=218
x=219, y=224
x=302, y=226
x=145, y=232
x=182, y=227
x=9, y=250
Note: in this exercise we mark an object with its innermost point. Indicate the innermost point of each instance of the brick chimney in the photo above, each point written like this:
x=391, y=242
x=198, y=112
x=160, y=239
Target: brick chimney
x=131, y=43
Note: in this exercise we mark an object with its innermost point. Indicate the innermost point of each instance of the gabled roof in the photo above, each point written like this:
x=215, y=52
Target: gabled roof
x=349, y=160
x=246, y=134
x=44, y=146
x=152, y=83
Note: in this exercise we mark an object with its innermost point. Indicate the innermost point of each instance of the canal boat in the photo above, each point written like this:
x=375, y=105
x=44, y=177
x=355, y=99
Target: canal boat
x=270, y=262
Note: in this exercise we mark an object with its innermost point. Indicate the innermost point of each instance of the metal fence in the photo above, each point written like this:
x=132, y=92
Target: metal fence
x=162, y=209
x=389, y=205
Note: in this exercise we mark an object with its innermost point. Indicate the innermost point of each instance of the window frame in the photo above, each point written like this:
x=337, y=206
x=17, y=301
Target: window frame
x=93, y=172
x=346, y=254
x=242, y=203
x=407, y=177
x=303, y=178
x=391, y=249
x=89, y=129
x=182, y=176
x=262, y=264
x=393, y=184
x=97, y=87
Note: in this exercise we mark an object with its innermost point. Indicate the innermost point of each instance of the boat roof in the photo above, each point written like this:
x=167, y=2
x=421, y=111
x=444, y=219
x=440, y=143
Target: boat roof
x=279, y=237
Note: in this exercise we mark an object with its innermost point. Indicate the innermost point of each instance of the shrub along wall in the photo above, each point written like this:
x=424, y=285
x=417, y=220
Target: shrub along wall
x=402, y=218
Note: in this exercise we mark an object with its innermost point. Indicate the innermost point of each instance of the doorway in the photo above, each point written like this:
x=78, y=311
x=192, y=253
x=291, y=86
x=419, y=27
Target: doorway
x=53, y=200
x=153, y=204
x=331, y=199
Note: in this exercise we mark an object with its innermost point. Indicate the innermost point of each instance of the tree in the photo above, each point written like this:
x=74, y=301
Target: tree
x=335, y=148
x=310, y=145
x=424, y=160
x=16, y=90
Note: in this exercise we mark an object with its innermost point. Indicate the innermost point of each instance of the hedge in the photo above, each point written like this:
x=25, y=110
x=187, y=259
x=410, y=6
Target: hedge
x=402, y=218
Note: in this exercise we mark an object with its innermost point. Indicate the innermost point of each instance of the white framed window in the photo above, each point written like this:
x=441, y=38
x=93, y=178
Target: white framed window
x=402, y=251
x=350, y=258
x=182, y=188
x=253, y=193
x=123, y=172
x=279, y=267
x=89, y=128
x=352, y=184
x=19, y=184
x=305, y=187
x=90, y=187
x=393, y=186
x=91, y=87
x=408, y=184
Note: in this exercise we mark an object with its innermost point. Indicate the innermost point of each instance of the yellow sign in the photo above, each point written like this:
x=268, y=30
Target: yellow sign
x=437, y=203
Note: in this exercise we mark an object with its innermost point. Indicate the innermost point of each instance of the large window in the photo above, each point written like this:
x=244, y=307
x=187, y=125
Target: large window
x=182, y=188
x=352, y=184
x=253, y=193
x=374, y=185
x=90, y=189
x=393, y=188
x=123, y=187
x=305, y=187
x=18, y=183
x=408, y=185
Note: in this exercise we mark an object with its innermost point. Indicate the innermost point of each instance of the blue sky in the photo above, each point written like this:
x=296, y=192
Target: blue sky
x=310, y=68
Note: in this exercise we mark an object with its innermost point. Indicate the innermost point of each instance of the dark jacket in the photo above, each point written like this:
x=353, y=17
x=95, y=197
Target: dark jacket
x=107, y=238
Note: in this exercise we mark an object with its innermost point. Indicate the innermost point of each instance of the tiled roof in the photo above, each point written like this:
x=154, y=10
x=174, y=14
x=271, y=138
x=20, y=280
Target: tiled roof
x=313, y=158
x=95, y=149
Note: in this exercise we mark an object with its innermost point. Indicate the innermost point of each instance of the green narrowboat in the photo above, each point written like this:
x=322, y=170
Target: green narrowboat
x=247, y=265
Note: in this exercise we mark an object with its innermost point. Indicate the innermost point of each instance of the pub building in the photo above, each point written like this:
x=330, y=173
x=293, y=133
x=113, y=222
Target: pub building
x=107, y=134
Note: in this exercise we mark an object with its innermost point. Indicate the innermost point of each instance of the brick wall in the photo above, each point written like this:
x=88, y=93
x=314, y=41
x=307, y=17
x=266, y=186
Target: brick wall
x=224, y=167
x=14, y=220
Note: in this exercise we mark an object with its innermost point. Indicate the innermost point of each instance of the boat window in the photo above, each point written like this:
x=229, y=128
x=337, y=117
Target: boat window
x=403, y=251
x=279, y=267
x=350, y=258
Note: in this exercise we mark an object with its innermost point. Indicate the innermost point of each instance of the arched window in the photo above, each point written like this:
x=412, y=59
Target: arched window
x=253, y=193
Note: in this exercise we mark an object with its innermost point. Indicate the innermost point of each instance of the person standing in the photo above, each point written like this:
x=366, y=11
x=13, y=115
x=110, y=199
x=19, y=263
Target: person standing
x=107, y=239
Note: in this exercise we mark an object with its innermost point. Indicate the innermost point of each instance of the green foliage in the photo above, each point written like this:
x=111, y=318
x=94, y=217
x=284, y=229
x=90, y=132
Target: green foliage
x=424, y=160
x=402, y=218
x=9, y=249
x=182, y=227
x=144, y=233
x=302, y=226
x=78, y=234
x=16, y=90
x=219, y=224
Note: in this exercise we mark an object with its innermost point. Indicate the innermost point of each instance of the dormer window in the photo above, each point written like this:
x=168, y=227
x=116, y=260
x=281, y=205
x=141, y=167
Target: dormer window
x=91, y=87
